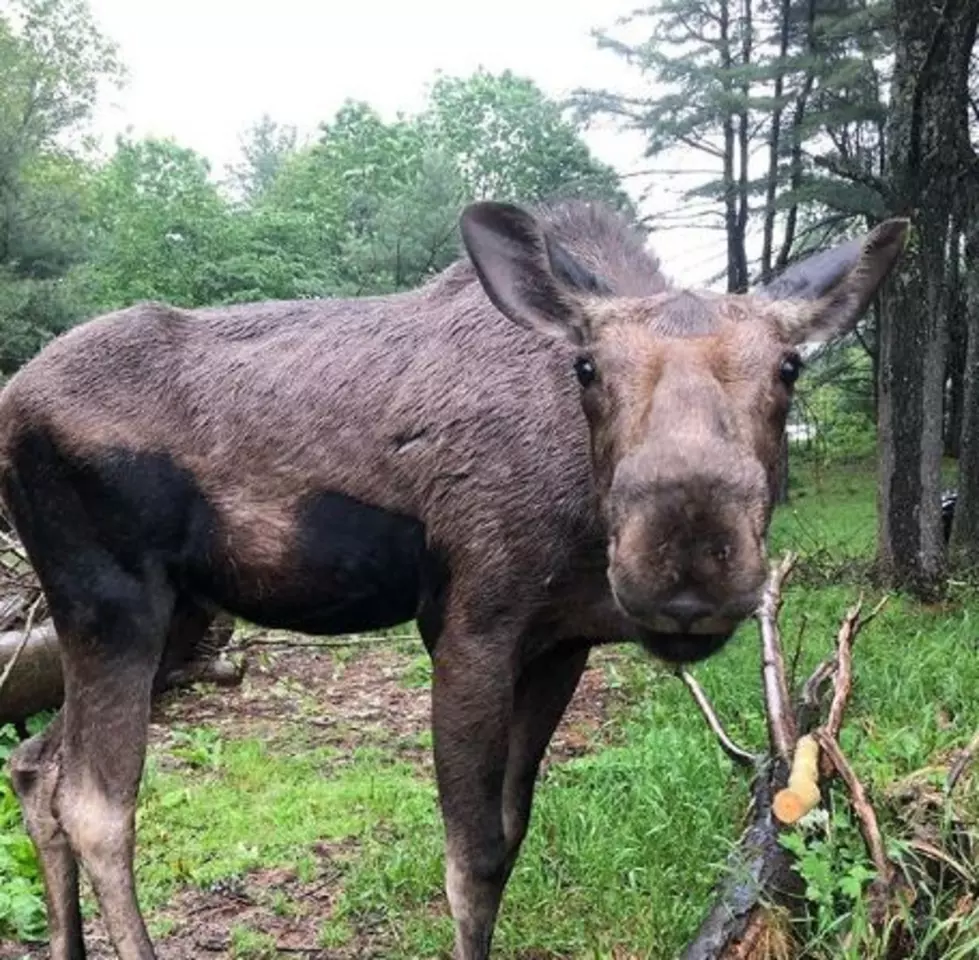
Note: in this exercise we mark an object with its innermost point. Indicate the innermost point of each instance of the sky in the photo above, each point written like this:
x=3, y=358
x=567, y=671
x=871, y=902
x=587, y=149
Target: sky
x=203, y=71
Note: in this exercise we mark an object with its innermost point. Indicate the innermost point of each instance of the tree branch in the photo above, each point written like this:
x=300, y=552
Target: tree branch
x=781, y=722
x=738, y=754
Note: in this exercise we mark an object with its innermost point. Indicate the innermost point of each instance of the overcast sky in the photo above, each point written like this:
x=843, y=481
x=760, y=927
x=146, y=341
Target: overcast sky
x=202, y=71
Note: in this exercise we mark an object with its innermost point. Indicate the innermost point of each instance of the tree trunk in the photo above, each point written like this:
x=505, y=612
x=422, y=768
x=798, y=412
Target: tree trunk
x=955, y=372
x=744, y=146
x=775, y=144
x=782, y=485
x=35, y=683
x=730, y=182
x=927, y=126
x=796, y=166
x=964, y=543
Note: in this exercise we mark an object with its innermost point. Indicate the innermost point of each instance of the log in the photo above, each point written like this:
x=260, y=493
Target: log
x=35, y=682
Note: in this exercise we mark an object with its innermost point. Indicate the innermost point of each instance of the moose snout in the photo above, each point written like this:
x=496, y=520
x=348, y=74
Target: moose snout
x=687, y=609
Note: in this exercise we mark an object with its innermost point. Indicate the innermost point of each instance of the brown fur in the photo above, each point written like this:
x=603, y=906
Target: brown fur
x=445, y=407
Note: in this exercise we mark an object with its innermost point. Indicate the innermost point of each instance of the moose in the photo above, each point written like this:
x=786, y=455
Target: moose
x=543, y=448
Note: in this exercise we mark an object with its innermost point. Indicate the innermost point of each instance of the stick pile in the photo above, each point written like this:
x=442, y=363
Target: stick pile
x=762, y=894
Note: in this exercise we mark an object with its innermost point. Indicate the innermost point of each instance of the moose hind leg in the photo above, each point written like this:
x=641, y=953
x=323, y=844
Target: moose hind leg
x=34, y=772
x=111, y=646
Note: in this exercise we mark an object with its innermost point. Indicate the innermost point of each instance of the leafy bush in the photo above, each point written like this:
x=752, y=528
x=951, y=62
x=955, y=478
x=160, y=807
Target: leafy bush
x=21, y=890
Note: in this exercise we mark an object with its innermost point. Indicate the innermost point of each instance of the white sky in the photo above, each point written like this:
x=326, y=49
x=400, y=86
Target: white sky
x=202, y=71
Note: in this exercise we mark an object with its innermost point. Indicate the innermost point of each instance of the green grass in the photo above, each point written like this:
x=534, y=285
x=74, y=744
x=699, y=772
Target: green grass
x=627, y=842
x=257, y=808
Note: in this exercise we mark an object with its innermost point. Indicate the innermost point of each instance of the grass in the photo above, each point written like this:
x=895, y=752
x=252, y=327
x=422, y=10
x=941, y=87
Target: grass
x=626, y=841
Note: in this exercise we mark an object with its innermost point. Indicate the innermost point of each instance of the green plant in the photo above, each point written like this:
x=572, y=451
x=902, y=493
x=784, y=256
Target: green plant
x=21, y=892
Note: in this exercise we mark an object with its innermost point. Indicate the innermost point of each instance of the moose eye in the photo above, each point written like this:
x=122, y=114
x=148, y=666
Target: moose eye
x=585, y=369
x=790, y=369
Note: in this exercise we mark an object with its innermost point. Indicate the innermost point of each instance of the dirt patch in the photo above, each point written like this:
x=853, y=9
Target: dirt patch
x=352, y=697
x=270, y=913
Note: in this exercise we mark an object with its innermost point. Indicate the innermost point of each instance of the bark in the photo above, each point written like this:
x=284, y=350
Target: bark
x=964, y=543
x=730, y=183
x=928, y=124
x=782, y=477
x=744, y=147
x=955, y=371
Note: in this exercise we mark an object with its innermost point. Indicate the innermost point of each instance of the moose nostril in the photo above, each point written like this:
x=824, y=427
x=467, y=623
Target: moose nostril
x=686, y=609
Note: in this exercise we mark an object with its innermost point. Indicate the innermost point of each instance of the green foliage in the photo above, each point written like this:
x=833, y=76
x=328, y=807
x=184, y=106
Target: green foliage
x=370, y=207
x=801, y=81
x=511, y=143
x=161, y=228
x=264, y=149
x=835, y=399
x=21, y=891
x=53, y=61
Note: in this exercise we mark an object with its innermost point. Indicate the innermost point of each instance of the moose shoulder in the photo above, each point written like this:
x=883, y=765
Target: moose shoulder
x=544, y=448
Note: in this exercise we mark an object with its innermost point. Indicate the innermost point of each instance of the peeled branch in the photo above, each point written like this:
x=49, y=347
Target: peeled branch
x=802, y=793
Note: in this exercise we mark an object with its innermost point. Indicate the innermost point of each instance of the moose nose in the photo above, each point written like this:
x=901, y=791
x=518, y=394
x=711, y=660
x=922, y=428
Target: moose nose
x=686, y=609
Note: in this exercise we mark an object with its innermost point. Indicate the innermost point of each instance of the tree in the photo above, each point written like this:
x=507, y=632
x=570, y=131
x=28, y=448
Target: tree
x=928, y=137
x=377, y=202
x=265, y=147
x=53, y=61
x=511, y=142
x=964, y=543
x=795, y=81
x=162, y=230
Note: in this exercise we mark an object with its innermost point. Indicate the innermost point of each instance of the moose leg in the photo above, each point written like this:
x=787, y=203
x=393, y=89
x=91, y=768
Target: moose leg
x=472, y=698
x=543, y=692
x=34, y=770
x=111, y=647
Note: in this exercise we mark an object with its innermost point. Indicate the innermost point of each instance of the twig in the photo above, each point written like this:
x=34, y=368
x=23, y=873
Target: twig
x=738, y=754
x=812, y=690
x=797, y=653
x=321, y=644
x=852, y=624
x=861, y=805
x=781, y=722
x=28, y=629
x=961, y=764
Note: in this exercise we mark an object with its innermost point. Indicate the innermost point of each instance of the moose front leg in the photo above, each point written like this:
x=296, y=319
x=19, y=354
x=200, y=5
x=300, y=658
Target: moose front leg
x=472, y=701
x=543, y=692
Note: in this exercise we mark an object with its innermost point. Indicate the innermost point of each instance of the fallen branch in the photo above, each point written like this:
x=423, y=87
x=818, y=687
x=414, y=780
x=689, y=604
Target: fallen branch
x=862, y=807
x=788, y=784
x=962, y=763
x=19, y=649
x=781, y=721
x=351, y=641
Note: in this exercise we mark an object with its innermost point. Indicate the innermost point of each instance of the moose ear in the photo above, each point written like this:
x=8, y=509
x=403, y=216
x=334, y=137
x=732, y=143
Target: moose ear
x=528, y=277
x=826, y=294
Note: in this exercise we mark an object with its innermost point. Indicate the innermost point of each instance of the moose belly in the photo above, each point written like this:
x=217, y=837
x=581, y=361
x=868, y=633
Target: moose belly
x=346, y=567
